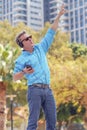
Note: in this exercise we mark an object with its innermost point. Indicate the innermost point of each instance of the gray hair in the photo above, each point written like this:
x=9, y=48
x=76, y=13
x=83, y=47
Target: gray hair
x=17, y=39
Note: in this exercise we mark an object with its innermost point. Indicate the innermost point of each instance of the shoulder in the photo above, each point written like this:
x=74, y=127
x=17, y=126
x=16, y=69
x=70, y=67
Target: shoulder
x=20, y=58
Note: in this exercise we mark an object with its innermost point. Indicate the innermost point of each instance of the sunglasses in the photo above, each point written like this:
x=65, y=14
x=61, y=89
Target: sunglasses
x=27, y=38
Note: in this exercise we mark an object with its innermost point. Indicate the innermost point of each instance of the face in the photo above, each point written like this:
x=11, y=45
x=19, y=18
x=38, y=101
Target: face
x=27, y=42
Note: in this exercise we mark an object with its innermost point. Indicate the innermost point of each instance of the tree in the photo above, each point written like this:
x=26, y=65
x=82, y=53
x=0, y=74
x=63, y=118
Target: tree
x=68, y=69
x=78, y=50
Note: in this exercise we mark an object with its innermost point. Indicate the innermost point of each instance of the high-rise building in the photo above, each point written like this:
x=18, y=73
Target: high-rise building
x=33, y=13
x=41, y=11
x=15, y=11
x=75, y=21
x=1, y=7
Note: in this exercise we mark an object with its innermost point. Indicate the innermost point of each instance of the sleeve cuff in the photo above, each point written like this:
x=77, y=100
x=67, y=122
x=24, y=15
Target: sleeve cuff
x=50, y=30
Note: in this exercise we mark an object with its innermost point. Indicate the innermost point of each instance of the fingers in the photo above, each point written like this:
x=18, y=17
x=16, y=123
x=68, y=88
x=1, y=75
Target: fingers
x=62, y=6
x=63, y=10
x=30, y=70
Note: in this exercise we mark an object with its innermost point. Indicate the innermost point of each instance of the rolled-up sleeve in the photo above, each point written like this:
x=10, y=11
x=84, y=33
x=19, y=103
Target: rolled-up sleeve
x=18, y=67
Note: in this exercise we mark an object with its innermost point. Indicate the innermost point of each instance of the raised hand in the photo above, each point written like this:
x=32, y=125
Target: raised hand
x=62, y=11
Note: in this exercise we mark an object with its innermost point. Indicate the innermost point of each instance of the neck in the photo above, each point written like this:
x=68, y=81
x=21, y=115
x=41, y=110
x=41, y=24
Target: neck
x=29, y=50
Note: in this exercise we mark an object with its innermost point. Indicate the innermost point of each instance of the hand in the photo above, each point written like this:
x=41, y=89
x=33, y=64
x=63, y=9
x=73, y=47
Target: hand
x=28, y=70
x=62, y=11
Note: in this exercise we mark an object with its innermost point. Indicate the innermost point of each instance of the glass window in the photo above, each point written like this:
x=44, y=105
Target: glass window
x=76, y=25
x=76, y=19
x=82, y=35
x=71, y=14
x=77, y=36
x=71, y=6
x=72, y=27
x=81, y=2
x=81, y=17
x=71, y=1
x=81, y=23
x=71, y=20
x=65, y=1
x=81, y=10
x=76, y=12
x=76, y=4
x=72, y=36
x=66, y=14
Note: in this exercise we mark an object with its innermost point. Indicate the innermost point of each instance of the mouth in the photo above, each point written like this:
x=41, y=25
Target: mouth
x=32, y=44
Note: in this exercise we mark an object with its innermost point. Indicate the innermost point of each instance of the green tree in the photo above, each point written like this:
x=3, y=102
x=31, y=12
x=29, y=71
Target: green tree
x=68, y=66
x=78, y=50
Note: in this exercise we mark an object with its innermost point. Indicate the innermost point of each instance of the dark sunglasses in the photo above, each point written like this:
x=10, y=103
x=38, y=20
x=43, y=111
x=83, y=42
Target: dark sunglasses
x=27, y=38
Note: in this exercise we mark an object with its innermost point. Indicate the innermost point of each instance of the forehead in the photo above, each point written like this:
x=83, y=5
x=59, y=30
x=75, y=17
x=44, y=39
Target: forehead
x=23, y=36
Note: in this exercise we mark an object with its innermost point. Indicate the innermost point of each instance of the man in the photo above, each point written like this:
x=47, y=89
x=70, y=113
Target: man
x=33, y=65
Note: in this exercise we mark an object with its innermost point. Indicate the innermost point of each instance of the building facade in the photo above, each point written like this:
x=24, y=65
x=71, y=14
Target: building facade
x=15, y=11
x=1, y=7
x=35, y=13
x=76, y=20
x=41, y=11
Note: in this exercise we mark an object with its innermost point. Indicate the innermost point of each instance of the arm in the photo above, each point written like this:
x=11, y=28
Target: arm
x=56, y=21
x=48, y=39
x=19, y=73
x=18, y=76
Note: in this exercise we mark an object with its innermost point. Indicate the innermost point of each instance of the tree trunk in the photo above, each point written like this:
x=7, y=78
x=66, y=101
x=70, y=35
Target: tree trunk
x=2, y=105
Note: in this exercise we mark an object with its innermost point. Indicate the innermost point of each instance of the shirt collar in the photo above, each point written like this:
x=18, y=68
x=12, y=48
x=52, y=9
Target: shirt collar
x=27, y=52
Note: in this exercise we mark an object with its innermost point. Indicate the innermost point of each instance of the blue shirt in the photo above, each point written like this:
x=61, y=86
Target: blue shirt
x=37, y=60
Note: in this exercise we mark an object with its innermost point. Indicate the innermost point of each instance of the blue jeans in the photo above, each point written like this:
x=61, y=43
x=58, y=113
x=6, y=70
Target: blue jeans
x=37, y=98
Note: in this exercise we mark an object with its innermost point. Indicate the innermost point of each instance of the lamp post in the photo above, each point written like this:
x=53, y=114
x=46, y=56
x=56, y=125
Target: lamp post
x=11, y=108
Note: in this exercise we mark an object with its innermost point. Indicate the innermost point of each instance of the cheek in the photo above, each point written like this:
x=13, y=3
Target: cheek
x=28, y=44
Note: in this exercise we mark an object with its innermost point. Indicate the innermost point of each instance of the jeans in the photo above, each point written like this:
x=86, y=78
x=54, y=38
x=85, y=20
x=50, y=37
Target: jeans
x=37, y=98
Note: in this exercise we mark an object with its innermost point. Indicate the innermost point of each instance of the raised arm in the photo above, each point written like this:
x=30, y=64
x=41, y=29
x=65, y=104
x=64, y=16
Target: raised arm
x=56, y=21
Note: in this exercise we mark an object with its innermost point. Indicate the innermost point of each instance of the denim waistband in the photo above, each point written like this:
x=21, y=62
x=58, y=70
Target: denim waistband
x=40, y=85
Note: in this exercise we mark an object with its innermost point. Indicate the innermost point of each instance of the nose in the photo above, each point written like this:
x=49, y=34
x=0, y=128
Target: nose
x=30, y=39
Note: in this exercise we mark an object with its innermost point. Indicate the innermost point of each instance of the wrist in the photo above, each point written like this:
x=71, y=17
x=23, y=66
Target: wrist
x=59, y=16
x=23, y=72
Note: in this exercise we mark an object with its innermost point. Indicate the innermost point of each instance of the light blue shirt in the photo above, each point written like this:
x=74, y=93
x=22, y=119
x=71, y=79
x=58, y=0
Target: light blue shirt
x=37, y=60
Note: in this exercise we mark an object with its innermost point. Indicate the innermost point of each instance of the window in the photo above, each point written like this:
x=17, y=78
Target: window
x=71, y=6
x=71, y=14
x=77, y=36
x=71, y=1
x=72, y=27
x=81, y=2
x=76, y=12
x=71, y=20
x=81, y=10
x=72, y=36
x=82, y=35
x=76, y=4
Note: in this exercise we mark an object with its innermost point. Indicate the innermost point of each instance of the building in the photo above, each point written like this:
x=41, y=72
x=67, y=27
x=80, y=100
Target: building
x=15, y=11
x=0, y=9
x=41, y=11
x=76, y=20
x=35, y=13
